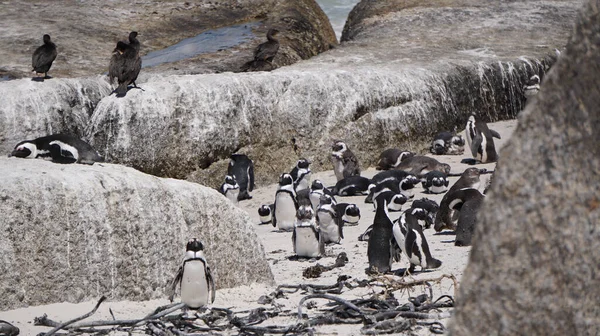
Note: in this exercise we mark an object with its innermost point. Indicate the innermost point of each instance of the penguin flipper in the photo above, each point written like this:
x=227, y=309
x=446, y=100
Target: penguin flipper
x=411, y=240
x=211, y=284
x=294, y=240
x=273, y=217
x=396, y=251
x=251, y=177
x=177, y=280
x=476, y=145
x=321, y=243
x=495, y=134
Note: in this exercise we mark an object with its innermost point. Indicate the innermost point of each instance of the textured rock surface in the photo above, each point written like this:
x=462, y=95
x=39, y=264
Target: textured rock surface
x=75, y=232
x=87, y=34
x=533, y=269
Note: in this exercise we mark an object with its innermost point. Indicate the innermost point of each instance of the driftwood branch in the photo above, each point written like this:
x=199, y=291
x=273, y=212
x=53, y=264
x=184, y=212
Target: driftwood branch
x=63, y=325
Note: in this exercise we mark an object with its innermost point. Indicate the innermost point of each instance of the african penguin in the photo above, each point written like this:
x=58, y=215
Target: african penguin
x=381, y=249
x=351, y=186
x=447, y=143
x=407, y=185
x=194, y=277
x=480, y=140
x=435, y=182
x=301, y=175
x=345, y=164
x=391, y=158
x=7, y=329
x=467, y=202
x=430, y=208
x=265, y=212
x=409, y=236
x=230, y=189
x=329, y=220
x=397, y=202
x=286, y=205
x=317, y=189
x=306, y=238
x=242, y=168
x=420, y=165
x=470, y=178
x=350, y=213
x=60, y=148
x=391, y=179
x=376, y=190
x=532, y=87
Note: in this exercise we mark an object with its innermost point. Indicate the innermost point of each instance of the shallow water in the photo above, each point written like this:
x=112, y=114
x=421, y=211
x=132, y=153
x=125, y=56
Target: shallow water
x=337, y=11
x=207, y=42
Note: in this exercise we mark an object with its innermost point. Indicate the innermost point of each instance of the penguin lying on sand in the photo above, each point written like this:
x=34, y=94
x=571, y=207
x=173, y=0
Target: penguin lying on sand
x=242, y=168
x=435, y=182
x=421, y=165
x=7, y=329
x=391, y=158
x=60, y=148
x=265, y=212
x=194, y=277
x=446, y=143
x=351, y=186
x=350, y=213
x=345, y=163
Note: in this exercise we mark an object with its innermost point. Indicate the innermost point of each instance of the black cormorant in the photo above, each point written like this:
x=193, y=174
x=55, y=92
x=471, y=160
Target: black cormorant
x=125, y=65
x=264, y=53
x=43, y=57
x=133, y=41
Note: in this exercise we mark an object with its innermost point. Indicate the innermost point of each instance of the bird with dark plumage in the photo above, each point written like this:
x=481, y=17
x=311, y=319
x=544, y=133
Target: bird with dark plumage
x=43, y=56
x=264, y=53
x=125, y=64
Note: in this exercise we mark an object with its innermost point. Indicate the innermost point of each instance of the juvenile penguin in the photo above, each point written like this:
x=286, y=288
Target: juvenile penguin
x=317, y=189
x=301, y=175
x=306, y=238
x=230, y=189
x=409, y=236
x=435, y=182
x=420, y=165
x=329, y=221
x=467, y=202
x=265, y=212
x=352, y=185
x=350, y=213
x=242, y=168
x=42, y=58
x=194, y=277
x=381, y=250
x=481, y=140
x=447, y=143
x=60, y=148
x=345, y=163
x=532, y=87
x=391, y=158
x=444, y=218
x=286, y=205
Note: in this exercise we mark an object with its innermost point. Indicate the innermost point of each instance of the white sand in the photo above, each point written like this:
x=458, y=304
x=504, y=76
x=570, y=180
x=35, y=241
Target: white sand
x=278, y=248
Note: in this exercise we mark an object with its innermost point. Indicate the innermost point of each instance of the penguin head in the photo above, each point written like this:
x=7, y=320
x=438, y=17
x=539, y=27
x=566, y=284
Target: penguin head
x=230, y=180
x=121, y=47
x=471, y=174
x=339, y=147
x=399, y=199
x=326, y=200
x=303, y=163
x=194, y=249
x=285, y=179
x=46, y=38
x=533, y=80
x=352, y=210
x=383, y=198
x=376, y=189
x=405, y=155
x=438, y=147
x=428, y=205
x=317, y=185
x=133, y=35
x=25, y=149
x=305, y=212
x=458, y=140
x=264, y=210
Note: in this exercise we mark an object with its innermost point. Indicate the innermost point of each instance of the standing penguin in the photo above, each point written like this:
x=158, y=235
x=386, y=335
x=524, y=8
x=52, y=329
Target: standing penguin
x=444, y=218
x=230, y=189
x=317, y=189
x=307, y=239
x=345, y=163
x=42, y=58
x=301, y=175
x=60, y=148
x=242, y=168
x=481, y=140
x=286, y=205
x=435, y=182
x=391, y=158
x=329, y=221
x=467, y=202
x=194, y=277
x=411, y=240
x=381, y=249
x=430, y=208
x=447, y=143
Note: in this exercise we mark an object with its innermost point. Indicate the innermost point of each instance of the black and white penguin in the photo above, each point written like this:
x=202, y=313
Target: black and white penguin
x=42, y=58
x=286, y=205
x=467, y=202
x=350, y=213
x=60, y=148
x=265, y=212
x=430, y=208
x=435, y=182
x=317, y=189
x=382, y=249
x=194, y=277
x=301, y=175
x=420, y=165
x=230, y=189
x=407, y=185
x=330, y=223
x=445, y=219
x=306, y=238
x=345, y=163
x=351, y=186
x=481, y=140
x=409, y=236
x=397, y=202
x=242, y=168
x=391, y=158
x=532, y=87
x=446, y=143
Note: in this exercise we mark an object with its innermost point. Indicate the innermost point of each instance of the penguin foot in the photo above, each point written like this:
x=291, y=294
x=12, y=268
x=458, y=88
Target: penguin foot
x=37, y=79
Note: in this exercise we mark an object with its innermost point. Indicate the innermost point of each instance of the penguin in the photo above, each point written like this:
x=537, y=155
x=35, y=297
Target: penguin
x=435, y=182
x=301, y=175
x=317, y=189
x=345, y=163
x=382, y=249
x=470, y=178
x=42, y=58
x=194, y=277
x=467, y=202
x=351, y=186
x=532, y=87
x=409, y=236
x=397, y=202
x=265, y=212
x=407, y=185
x=242, y=168
x=350, y=213
x=60, y=148
x=430, y=207
x=481, y=141
x=390, y=184
x=286, y=205
x=375, y=191
x=329, y=220
x=307, y=239
x=391, y=158
x=420, y=165
x=7, y=329
x=230, y=189
x=447, y=143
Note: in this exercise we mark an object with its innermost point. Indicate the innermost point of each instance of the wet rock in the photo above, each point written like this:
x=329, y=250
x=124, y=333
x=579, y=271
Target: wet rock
x=533, y=266
x=76, y=232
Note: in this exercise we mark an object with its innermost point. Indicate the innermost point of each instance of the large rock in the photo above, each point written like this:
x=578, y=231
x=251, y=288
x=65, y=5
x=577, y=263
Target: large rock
x=75, y=232
x=533, y=269
x=86, y=35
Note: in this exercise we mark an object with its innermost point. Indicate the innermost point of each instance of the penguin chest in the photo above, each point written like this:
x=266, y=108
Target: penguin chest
x=329, y=228
x=315, y=198
x=232, y=195
x=304, y=182
x=307, y=242
x=351, y=220
x=338, y=168
x=417, y=254
x=434, y=189
x=194, y=284
x=285, y=211
x=399, y=235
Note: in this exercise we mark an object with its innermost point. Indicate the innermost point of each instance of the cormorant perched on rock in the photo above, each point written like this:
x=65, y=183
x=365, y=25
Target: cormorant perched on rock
x=264, y=53
x=125, y=64
x=43, y=57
